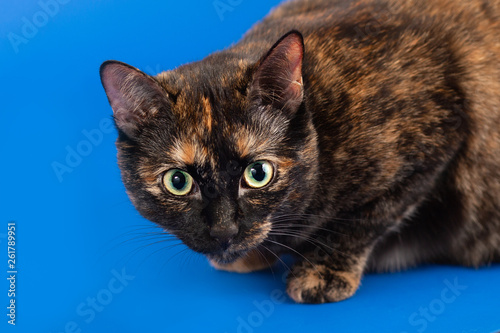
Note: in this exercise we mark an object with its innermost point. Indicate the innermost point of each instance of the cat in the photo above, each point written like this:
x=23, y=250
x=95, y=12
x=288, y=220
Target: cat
x=355, y=135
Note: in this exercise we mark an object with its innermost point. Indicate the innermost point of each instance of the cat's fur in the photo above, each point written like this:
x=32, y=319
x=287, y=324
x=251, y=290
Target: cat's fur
x=382, y=121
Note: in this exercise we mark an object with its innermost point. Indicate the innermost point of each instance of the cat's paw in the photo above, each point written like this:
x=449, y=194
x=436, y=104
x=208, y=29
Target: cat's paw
x=319, y=284
x=253, y=261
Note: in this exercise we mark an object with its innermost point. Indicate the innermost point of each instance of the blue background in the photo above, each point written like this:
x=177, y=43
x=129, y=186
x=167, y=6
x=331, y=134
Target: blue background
x=76, y=232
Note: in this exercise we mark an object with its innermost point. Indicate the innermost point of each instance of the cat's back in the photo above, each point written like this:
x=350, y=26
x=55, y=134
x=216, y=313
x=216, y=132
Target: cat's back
x=471, y=20
x=451, y=11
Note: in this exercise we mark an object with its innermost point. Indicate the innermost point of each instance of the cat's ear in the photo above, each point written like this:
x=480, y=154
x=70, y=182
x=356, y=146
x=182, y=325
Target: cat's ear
x=134, y=96
x=277, y=80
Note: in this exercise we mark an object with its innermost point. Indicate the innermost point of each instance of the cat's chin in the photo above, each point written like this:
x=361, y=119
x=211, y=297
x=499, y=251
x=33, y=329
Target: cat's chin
x=226, y=257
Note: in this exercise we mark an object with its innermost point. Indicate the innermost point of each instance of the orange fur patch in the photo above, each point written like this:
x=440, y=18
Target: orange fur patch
x=189, y=152
x=207, y=114
x=247, y=143
x=253, y=261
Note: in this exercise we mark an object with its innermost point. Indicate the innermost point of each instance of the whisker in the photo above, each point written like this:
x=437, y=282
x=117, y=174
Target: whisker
x=278, y=257
x=140, y=228
x=300, y=254
x=133, y=253
x=309, y=215
x=305, y=219
x=295, y=225
x=139, y=238
x=181, y=251
x=311, y=240
x=155, y=252
x=267, y=261
x=164, y=265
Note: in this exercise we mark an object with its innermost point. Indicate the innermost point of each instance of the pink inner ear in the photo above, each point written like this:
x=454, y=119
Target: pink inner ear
x=288, y=55
x=278, y=79
x=114, y=81
x=295, y=89
x=295, y=54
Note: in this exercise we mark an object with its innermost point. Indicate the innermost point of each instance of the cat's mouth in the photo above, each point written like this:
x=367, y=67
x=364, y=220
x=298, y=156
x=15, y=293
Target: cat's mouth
x=255, y=237
x=226, y=257
x=232, y=253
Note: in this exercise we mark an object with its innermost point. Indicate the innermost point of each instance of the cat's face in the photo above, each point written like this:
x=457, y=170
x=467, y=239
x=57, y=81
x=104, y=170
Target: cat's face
x=215, y=150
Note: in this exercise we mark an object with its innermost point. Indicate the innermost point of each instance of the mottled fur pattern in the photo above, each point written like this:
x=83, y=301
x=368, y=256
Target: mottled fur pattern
x=381, y=119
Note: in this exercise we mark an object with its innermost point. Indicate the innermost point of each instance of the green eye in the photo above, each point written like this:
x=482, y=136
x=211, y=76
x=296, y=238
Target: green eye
x=258, y=174
x=178, y=182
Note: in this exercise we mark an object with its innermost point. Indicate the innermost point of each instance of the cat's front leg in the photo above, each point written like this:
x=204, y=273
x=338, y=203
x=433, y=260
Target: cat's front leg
x=253, y=261
x=320, y=280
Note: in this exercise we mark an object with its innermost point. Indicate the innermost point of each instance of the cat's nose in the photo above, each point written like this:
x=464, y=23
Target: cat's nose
x=224, y=234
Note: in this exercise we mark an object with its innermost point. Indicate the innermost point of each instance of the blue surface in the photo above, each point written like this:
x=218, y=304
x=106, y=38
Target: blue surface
x=77, y=230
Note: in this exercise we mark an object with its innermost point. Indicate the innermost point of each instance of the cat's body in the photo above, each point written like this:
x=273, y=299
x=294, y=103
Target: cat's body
x=382, y=128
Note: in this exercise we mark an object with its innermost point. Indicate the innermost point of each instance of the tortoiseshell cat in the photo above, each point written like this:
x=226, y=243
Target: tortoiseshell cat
x=356, y=135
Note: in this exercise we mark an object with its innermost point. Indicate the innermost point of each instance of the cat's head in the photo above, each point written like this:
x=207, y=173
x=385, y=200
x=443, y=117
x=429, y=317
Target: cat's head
x=214, y=151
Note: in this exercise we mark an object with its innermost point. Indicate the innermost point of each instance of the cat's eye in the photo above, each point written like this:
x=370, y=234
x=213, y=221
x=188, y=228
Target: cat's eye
x=258, y=174
x=178, y=182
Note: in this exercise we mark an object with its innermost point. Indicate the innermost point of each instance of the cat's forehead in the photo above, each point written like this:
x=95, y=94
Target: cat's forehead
x=218, y=74
x=206, y=93
x=214, y=126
